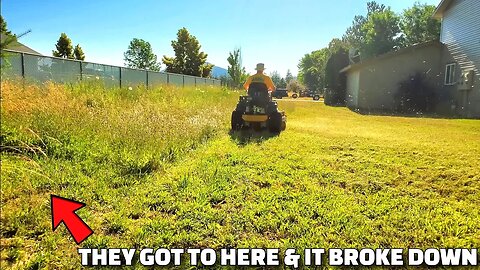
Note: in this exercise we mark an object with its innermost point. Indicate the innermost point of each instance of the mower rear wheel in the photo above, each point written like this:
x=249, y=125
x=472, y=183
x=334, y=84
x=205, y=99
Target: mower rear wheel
x=237, y=121
x=275, y=122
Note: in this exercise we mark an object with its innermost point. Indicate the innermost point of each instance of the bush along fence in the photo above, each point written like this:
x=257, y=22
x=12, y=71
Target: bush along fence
x=39, y=68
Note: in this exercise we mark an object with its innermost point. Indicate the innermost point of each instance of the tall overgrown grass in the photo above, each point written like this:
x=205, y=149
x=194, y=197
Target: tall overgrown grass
x=82, y=140
x=135, y=129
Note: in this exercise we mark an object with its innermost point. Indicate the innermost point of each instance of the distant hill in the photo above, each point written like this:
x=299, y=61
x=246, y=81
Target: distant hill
x=218, y=72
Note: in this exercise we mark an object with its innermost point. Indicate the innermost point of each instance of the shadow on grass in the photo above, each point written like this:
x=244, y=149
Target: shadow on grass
x=429, y=115
x=245, y=137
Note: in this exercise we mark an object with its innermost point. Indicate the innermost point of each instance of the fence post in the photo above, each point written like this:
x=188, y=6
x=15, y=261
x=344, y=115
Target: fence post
x=183, y=78
x=120, y=76
x=146, y=71
x=168, y=79
x=81, y=70
x=23, y=64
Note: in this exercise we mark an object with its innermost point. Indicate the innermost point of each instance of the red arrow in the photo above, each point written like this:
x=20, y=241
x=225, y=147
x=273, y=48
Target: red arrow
x=63, y=210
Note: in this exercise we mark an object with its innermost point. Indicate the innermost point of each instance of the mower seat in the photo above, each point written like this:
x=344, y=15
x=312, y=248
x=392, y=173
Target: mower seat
x=259, y=93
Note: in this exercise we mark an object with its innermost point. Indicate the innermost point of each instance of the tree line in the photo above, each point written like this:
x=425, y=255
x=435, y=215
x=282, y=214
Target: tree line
x=379, y=31
x=64, y=49
x=188, y=59
x=237, y=74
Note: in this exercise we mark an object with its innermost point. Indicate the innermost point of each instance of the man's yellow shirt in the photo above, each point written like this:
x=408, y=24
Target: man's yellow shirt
x=260, y=78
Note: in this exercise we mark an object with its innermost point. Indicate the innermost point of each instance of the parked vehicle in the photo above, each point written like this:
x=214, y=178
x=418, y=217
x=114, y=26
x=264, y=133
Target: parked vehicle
x=280, y=93
x=307, y=93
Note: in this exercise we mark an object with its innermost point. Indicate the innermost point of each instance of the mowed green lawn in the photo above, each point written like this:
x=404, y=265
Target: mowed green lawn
x=160, y=169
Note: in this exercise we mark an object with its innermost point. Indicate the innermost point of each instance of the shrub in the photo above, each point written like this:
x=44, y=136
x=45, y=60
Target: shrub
x=336, y=82
x=415, y=95
x=295, y=86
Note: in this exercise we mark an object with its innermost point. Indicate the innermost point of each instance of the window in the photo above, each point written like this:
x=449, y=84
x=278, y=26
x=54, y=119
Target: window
x=450, y=74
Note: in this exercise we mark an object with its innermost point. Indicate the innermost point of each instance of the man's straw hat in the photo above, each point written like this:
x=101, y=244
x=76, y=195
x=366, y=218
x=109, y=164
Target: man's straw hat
x=260, y=67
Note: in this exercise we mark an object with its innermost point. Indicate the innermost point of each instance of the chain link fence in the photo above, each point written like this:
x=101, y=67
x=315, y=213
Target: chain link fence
x=37, y=68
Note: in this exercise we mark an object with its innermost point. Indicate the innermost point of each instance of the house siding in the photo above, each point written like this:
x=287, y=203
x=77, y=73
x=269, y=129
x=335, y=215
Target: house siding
x=461, y=35
x=373, y=87
x=353, y=83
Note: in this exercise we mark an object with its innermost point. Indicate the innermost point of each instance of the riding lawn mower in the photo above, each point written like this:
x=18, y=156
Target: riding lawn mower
x=257, y=110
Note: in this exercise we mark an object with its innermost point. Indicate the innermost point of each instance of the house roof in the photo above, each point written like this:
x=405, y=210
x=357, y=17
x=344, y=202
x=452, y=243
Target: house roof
x=19, y=47
x=390, y=55
x=442, y=7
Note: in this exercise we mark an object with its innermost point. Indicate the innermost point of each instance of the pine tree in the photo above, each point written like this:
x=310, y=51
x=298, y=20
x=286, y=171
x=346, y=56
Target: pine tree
x=276, y=78
x=188, y=60
x=7, y=39
x=7, y=36
x=288, y=77
x=3, y=26
x=64, y=47
x=78, y=52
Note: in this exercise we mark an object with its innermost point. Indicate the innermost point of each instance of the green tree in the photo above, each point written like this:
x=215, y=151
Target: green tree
x=335, y=81
x=381, y=33
x=207, y=70
x=235, y=69
x=376, y=33
x=78, y=53
x=64, y=48
x=3, y=27
x=312, y=69
x=140, y=55
x=336, y=45
x=288, y=77
x=355, y=34
x=7, y=39
x=418, y=25
x=188, y=60
x=278, y=80
x=275, y=77
x=244, y=77
x=295, y=86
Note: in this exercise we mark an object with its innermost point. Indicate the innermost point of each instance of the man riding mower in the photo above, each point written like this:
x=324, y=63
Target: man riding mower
x=258, y=110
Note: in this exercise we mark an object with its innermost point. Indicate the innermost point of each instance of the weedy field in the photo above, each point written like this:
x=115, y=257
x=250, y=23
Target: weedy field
x=159, y=168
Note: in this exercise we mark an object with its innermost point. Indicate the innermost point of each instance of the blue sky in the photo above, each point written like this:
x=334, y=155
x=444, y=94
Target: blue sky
x=276, y=32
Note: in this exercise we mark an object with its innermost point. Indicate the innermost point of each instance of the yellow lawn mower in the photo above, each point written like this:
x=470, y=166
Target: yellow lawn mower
x=258, y=111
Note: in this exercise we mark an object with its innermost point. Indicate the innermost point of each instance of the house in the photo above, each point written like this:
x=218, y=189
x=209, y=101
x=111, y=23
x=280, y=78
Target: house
x=451, y=67
x=372, y=85
x=461, y=56
x=19, y=47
